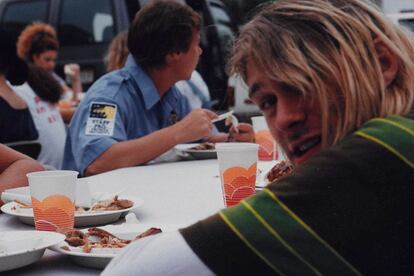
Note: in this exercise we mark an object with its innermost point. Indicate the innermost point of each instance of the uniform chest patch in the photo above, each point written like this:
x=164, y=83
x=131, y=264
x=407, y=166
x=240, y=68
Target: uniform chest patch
x=101, y=119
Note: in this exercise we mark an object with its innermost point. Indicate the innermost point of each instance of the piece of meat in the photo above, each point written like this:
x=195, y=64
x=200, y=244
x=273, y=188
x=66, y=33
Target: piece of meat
x=114, y=204
x=124, y=203
x=149, y=232
x=204, y=146
x=105, y=236
x=75, y=237
x=281, y=169
x=95, y=231
x=78, y=238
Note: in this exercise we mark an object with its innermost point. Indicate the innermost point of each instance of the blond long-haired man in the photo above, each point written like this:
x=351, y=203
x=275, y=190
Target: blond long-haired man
x=335, y=80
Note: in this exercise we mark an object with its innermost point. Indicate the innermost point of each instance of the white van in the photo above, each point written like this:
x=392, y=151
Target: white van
x=240, y=102
x=86, y=27
x=405, y=19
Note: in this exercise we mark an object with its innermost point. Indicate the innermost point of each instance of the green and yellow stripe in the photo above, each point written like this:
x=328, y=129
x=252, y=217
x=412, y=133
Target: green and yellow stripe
x=283, y=241
x=395, y=133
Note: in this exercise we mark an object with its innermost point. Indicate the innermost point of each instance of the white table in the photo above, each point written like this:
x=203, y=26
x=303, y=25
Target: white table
x=177, y=193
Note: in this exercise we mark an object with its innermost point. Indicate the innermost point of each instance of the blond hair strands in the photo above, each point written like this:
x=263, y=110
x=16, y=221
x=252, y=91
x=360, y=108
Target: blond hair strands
x=117, y=52
x=326, y=50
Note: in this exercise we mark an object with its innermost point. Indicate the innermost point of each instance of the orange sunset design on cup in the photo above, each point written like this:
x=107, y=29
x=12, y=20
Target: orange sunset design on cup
x=239, y=183
x=267, y=145
x=53, y=213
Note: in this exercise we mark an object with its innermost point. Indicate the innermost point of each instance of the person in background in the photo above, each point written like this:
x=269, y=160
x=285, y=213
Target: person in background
x=16, y=123
x=133, y=115
x=337, y=90
x=117, y=52
x=13, y=168
x=38, y=45
x=194, y=89
x=42, y=93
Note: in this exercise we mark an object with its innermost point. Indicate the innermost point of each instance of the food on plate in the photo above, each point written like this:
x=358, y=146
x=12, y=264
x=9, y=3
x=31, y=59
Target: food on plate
x=281, y=169
x=21, y=205
x=100, y=239
x=113, y=204
x=204, y=146
x=149, y=232
x=75, y=237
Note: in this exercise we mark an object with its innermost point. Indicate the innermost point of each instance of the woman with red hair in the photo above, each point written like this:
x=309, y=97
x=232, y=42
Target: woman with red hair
x=38, y=45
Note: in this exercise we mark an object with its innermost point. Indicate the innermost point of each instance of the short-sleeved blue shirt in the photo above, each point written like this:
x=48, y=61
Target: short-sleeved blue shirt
x=120, y=106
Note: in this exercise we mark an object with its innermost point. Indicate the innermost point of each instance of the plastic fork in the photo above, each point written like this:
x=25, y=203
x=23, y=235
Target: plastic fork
x=230, y=120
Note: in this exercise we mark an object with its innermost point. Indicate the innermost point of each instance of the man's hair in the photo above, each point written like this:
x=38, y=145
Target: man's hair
x=325, y=49
x=161, y=28
x=35, y=39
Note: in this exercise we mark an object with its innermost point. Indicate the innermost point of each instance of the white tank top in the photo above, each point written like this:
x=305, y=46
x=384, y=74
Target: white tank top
x=49, y=124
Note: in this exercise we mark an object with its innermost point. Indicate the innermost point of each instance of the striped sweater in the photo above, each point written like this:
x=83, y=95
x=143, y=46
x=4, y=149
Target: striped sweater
x=346, y=211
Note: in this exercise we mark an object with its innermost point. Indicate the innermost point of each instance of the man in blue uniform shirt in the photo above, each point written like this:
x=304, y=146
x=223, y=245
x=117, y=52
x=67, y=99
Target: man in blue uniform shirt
x=135, y=114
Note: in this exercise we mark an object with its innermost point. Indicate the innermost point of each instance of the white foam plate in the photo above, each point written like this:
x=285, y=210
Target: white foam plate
x=196, y=154
x=21, y=248
x=81, y=219
x=100, y=257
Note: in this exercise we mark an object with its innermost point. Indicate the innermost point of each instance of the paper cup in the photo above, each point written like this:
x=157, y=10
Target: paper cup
x=68, y=69
x=268, y=149
x=238, y=168
x=53, y=199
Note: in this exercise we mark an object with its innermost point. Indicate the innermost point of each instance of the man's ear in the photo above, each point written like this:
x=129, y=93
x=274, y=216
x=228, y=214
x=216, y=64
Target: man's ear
x=388, y=61
x=172, y=57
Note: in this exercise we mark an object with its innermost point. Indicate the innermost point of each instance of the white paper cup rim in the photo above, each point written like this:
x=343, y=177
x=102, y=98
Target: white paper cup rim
x=236, y=147
x=257, y=117
x=45, y=174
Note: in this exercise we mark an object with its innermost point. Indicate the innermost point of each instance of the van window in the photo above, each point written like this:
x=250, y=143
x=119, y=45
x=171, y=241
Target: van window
x=85, y=22
x=18, y=14
x=408, y=23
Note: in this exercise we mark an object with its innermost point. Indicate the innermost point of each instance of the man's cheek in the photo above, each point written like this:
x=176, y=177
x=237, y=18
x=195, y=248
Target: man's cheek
x=277, y=135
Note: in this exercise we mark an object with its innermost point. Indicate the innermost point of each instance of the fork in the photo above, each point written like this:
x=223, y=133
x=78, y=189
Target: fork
x=230, y=120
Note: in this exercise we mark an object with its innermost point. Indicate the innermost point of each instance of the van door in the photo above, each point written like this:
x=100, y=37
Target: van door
x=407, y=23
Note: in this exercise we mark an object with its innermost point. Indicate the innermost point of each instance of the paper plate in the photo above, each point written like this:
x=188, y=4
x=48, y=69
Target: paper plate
x=81, y=219
x=99, y=258
x=21, y=248
x=196, y=154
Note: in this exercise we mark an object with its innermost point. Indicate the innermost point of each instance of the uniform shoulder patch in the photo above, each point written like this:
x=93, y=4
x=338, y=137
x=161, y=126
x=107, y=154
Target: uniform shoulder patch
x=101, y=119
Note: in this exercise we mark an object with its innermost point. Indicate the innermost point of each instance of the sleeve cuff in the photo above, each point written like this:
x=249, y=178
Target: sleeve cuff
x=93, y=151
